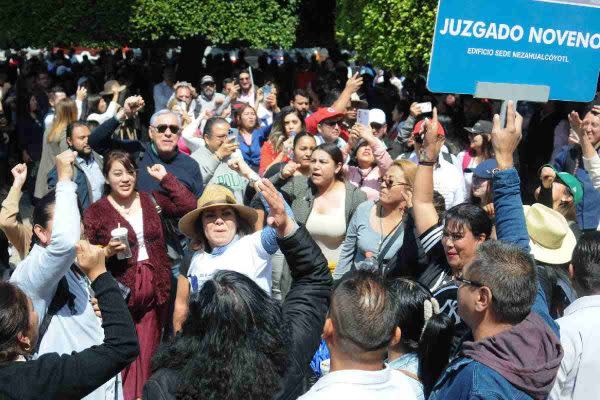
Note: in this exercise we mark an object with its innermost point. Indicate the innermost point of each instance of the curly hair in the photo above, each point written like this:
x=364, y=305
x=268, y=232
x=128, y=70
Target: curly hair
x=232, y=345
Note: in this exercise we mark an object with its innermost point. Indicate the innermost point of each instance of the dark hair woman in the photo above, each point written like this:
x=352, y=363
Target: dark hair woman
x=424, y=348
x=146, y=273
x=323, y=201
x=251, y=135
x=275, y=150
x=303, y=146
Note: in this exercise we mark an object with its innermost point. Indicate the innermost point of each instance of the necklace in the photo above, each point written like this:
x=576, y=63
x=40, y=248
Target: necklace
x=121, y=208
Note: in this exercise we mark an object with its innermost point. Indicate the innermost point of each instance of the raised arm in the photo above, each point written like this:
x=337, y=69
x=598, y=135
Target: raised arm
x=101, y=139
x=16, y=232
x=176, y=200
x=591, y=160
x=424, y=211
x=38, y=275
x=510, y=220
x=78, y=374
x=352, y=85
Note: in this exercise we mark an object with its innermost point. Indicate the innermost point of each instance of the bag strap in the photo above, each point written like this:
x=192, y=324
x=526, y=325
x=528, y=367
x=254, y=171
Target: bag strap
x=390, y=242
x=60, y=298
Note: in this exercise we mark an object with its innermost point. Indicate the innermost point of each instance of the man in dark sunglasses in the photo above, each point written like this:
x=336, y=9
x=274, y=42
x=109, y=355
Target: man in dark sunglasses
x=164, y=132
x=328, y=126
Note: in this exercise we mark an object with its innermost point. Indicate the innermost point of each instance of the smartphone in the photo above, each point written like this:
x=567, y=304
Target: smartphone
x=362, y=117
x=267, y=90
x=232, y=136
x=425, y=107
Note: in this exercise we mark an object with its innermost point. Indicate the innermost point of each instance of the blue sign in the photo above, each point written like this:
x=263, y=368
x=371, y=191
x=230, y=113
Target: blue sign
x=554, y=43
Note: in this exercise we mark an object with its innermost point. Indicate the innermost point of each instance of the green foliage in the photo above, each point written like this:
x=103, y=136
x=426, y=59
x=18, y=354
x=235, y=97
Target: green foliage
x=394, y=34
x=257, y=23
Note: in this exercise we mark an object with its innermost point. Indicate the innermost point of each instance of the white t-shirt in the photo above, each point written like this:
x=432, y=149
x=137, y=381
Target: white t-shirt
x=245, y=255
x=386, y=384
x=137, y=223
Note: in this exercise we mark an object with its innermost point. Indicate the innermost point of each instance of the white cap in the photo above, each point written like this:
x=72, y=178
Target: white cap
x=376, y=115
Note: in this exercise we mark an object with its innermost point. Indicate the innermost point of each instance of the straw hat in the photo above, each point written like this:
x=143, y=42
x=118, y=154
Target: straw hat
x=551, y=239
x=214, y=196
x=112, y=86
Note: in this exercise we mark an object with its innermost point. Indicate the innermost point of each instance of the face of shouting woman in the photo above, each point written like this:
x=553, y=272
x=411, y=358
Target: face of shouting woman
x=219, y=225
x=323, y=169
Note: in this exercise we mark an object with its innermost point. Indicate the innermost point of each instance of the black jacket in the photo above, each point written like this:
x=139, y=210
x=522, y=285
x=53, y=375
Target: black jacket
x=304, y=311
x=74, y=376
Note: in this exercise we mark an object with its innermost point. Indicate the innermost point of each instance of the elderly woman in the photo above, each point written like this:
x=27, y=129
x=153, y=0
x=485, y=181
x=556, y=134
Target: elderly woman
x=223, y=238
x=378, y=227
x=145, y=275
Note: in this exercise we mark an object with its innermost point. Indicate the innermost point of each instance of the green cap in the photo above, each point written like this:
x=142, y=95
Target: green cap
x=570, y=181
x=575, y=187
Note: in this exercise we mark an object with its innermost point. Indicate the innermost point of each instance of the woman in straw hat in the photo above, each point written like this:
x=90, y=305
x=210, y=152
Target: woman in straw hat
x=223, y=238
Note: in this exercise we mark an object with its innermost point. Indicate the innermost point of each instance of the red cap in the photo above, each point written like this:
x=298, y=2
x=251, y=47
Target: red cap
x=324, y=113
x=418, y=125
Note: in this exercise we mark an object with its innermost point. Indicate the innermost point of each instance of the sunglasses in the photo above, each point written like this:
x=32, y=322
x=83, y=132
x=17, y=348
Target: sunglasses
x=462, y=281
x=389, y=183
x=163, y=128
x=330, y=123
x=376, y=126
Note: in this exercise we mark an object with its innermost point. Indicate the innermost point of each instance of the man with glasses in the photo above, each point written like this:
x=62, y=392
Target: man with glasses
x=378, y=124
x=164, y=132
x=328, y=121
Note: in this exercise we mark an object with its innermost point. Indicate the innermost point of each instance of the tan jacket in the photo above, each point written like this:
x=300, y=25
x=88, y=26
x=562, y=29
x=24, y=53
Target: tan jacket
x=18, y=233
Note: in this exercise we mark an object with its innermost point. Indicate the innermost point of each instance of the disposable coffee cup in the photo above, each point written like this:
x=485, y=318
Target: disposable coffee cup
x=120, y=234
x=325, y=365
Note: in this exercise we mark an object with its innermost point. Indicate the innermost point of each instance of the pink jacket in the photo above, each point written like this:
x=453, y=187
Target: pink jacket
x=368, y=179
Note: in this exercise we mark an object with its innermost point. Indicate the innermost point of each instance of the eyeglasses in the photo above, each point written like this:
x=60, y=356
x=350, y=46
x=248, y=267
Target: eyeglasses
x=389, y=183
x=452, y=236
x=376, y=126
x=462, y=281
x=330, y=123
x=163, y=128
x=244, y=79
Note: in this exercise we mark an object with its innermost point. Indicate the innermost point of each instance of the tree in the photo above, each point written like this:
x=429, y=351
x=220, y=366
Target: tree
x=392, y=34
x=256, y=23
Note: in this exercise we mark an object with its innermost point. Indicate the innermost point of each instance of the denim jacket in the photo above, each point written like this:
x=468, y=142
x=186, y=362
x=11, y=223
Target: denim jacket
x=466, y=378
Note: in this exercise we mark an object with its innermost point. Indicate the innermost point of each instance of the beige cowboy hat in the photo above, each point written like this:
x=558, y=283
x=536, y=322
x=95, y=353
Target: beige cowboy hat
x=551, y=239
x=112, y=86
x=214, y=196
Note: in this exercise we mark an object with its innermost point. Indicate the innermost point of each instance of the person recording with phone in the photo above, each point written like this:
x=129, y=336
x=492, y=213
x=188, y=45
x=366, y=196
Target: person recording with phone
x=266, y=104
x=220, y=146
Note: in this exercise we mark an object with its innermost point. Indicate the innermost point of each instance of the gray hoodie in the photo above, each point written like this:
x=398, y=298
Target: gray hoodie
x=528, y=355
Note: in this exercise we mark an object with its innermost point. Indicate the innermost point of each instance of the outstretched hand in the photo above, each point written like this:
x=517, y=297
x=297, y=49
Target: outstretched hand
x=277, y=218
x=433, y=141
x=505, y=140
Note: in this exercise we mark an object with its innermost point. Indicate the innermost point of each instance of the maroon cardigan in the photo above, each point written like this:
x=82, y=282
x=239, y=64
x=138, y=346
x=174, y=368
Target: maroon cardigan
x=101, y=218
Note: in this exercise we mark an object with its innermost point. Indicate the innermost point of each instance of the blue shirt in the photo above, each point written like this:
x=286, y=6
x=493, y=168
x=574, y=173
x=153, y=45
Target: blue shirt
x=94, y=175
x=251, y=152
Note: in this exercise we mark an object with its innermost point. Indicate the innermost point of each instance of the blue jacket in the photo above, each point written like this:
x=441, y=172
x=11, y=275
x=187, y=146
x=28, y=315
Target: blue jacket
x=466, y=378
x=588, y=210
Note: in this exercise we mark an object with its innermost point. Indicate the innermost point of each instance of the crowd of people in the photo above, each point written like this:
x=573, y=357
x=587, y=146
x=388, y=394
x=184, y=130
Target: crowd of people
x=299, y=230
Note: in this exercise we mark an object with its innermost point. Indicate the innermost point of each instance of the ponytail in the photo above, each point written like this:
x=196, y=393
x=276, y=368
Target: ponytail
x=434, y=349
